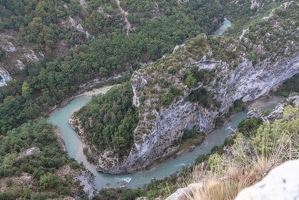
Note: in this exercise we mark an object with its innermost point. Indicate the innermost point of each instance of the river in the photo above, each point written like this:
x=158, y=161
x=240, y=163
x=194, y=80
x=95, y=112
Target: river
x=223, y=28
x=74, y=147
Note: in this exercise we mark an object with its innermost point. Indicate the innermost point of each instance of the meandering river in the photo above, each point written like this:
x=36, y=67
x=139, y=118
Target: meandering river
x=74, y=146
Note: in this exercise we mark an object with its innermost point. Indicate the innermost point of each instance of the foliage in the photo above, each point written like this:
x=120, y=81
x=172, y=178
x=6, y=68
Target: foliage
x=213, y=163
x=38, y=22
x=167, y=98
x=49, y=181
x=200, y=95
x=190, y=134
x=194, y=75
x=42, y=167
x=9, y=182
x=238, y=105
x=289, y=86
x=109, y=120
x=122, y=194
x=249, y=126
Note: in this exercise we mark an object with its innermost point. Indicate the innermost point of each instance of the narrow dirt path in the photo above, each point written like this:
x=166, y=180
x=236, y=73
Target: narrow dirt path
x=128, y=25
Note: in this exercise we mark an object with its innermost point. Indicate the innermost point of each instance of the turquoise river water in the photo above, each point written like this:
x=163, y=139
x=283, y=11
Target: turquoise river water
x=74, y=147
x=223, y=28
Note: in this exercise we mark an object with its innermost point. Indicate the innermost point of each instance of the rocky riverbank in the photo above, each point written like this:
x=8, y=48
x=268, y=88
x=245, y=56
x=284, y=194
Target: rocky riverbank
x=88, y=183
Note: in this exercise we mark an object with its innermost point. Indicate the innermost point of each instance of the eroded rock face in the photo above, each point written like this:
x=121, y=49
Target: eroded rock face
x=281, y=183
x=14, y=56
x=88, y=184
x=246, y=82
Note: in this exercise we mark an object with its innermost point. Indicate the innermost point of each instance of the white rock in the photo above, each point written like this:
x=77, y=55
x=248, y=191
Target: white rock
x=20, y=64
x=100, y=10
x=88, y=183
x=31, y=56
x=33, y=151
x=177, y=47
x=181, y=193
x=9, y=47
x=281, y=183
x=79, y=28
x=5, y=77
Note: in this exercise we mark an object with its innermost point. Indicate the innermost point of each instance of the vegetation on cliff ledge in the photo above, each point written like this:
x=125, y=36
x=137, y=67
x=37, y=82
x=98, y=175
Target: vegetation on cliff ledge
x=109, y=120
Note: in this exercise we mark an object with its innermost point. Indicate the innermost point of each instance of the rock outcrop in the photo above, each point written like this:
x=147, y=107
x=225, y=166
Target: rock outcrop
x=246, y=82
x=33, y=151
x=281, y=183
x=88, y=184
x=5, y=77
x=184, y=193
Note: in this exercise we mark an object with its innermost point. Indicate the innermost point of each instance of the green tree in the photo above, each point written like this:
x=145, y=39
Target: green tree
x=26, y=90
x=49, y=181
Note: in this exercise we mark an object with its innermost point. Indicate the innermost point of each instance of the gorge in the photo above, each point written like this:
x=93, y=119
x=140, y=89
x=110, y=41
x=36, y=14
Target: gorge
x=166, y=79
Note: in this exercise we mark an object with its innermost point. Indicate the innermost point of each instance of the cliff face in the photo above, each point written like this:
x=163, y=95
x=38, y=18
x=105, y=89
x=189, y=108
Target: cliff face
x=247, y=83
x=243, y=68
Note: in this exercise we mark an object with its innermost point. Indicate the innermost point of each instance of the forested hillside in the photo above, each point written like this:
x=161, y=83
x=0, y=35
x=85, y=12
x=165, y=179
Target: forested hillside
x=108, y=123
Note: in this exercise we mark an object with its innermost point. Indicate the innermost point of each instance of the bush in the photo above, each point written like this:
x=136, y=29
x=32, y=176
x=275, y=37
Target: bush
x=248, y=127
x=49, y=181
x=200, y=95
x=8, y=182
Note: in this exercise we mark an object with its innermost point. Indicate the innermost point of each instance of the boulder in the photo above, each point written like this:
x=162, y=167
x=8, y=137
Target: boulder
x=281, y=183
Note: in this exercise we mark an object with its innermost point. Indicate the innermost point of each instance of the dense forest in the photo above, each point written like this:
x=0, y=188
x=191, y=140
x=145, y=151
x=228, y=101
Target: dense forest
x=109, y=121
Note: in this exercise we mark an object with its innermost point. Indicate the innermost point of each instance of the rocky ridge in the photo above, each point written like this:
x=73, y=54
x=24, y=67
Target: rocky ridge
x=244, y=70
